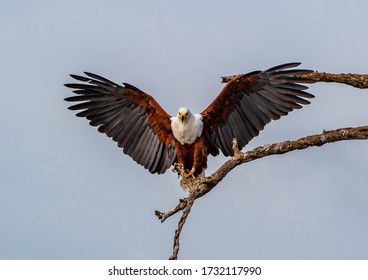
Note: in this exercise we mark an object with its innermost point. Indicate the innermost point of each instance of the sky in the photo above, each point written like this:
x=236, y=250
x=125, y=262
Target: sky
x=68, y=192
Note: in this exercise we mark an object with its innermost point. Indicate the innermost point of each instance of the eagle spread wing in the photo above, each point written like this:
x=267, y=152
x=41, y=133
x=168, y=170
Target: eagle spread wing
x=142, y=128
x=130, y=117
x=247, y=103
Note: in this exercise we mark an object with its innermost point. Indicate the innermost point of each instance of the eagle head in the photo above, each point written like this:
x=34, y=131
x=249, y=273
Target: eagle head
x=183, y=113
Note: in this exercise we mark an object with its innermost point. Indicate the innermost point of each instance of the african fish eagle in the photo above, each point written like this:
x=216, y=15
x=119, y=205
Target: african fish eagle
x=155, y=140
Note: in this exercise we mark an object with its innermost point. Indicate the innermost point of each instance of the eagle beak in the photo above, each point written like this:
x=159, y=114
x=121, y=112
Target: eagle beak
x=182, y=117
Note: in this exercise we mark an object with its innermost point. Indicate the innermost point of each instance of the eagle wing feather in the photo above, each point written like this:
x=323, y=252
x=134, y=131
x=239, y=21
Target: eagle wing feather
x=129, y=116
x=248, y=102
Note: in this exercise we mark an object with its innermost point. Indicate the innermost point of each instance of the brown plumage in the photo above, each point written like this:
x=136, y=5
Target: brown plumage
x=144, y=130
x=192, y=155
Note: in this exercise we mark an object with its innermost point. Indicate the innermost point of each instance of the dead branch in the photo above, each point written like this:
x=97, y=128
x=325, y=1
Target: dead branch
x=204, y=185
x=188, y=207
x=201, y=186
x=355, y=80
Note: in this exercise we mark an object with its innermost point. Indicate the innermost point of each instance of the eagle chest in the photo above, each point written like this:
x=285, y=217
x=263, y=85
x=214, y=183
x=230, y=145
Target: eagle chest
x=188, y=131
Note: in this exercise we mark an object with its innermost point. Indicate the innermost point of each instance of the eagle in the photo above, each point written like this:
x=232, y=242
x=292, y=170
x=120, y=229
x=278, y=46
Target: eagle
x=157, y=141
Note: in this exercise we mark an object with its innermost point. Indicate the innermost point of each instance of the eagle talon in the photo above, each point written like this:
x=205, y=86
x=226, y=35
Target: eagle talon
x=191, y=174
x=186, y=174
x=179, y=168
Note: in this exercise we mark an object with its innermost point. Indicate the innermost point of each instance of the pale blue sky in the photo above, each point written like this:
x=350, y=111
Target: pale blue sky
x=68, y=192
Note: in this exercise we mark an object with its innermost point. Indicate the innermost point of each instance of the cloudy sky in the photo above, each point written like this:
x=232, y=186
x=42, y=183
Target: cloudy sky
x=68, y=192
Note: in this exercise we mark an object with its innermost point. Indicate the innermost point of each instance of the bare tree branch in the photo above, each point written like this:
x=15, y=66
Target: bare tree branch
x=201, y=186
x=355, y=80
x=204, y=185
x=188, y=207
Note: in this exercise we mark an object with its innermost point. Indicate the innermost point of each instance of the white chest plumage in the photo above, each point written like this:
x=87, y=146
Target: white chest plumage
x=187, y=131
